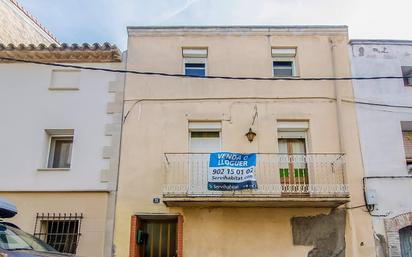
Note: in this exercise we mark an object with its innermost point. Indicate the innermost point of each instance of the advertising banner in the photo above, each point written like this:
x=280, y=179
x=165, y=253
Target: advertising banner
x=231, y=171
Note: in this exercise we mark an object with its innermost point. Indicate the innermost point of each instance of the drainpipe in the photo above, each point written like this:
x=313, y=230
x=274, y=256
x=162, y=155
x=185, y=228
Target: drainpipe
x=338, y=97
x=341, y=137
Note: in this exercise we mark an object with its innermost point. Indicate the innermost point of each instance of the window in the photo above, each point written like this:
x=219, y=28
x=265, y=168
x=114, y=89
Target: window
x=407, y=72
x=407, y=143
x=60, y=148
x=65, y=80
x=195, y=69
x=61, y=231
x=195, y=62
x=60, y=152
x=284, y=62
x=204, y=137
x=282, y=68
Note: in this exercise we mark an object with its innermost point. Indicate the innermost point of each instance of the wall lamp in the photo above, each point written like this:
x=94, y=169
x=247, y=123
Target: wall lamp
x=250, y=135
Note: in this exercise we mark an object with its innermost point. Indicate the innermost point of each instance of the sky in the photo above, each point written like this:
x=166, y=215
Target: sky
x=79, y=21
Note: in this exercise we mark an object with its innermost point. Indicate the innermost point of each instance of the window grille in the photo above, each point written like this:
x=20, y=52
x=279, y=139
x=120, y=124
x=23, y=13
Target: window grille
x=61, y=231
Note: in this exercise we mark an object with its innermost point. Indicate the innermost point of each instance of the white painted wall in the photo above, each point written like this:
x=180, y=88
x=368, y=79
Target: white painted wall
x=28, y=107
x=380, y=127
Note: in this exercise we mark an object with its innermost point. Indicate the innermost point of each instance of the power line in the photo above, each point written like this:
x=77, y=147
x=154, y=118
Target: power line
x=322, y=98
x=377, y=104
x=164, y=74
x=219, y=77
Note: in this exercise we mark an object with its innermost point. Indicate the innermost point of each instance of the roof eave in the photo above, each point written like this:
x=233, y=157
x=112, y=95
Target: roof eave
x=233, y=30
x=380, y=42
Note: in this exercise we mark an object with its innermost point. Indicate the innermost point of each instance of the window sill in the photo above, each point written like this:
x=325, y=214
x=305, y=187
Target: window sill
x=63, y=89
x=53, y=169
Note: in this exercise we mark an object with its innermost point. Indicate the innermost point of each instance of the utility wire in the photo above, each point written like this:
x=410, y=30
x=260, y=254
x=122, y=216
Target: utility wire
x=217, y=77
x=164, y=74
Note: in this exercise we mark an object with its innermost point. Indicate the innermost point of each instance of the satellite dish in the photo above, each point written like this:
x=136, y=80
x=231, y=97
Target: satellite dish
x=7, y=209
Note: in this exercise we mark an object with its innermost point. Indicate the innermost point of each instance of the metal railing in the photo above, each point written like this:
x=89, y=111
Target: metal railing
x=277, y=175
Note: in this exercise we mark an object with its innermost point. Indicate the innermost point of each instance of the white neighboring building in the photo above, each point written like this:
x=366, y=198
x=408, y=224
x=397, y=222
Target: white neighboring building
x=60, y=136
x=386, y=139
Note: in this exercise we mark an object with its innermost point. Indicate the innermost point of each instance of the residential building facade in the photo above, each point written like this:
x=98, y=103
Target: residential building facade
x=308, y=162
x=60, y=143
x=18, y=26
x=386, y=139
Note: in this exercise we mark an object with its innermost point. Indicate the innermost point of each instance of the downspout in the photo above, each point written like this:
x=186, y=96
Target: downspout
x=341, y=137
x=338, y=100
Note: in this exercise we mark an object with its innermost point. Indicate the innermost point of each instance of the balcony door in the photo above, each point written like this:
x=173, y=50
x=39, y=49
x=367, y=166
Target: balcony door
x=202, y=142
x=293, y=170
x=204, y=138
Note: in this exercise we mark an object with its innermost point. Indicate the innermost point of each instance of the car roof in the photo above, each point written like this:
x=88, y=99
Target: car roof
x=7, y=208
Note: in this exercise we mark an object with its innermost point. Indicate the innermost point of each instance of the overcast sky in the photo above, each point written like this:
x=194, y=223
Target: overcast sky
x=78, y=21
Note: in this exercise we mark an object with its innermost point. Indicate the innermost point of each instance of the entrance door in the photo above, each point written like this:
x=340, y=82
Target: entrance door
x=406, y=241
x=293, y=169
x=160, y=238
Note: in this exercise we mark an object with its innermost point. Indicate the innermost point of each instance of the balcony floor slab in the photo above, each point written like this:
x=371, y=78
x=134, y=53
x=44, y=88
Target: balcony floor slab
x=287, y=202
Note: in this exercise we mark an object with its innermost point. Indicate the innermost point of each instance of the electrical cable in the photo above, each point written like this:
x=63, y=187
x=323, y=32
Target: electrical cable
x=150, y=73
x=218, y=77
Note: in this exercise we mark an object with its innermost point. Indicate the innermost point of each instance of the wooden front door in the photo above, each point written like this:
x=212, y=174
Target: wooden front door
x=293, y=168
x=160, y=238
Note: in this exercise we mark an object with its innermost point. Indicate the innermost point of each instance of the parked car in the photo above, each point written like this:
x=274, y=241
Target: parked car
x=14, y=242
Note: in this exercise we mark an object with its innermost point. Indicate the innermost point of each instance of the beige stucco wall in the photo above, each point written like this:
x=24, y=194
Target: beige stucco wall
x=16, y=27
x=92, y=205
x=159, y=111
x=242, y=232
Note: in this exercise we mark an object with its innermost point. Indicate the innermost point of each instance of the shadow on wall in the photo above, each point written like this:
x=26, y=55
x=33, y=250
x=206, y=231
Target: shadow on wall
x=326, y=232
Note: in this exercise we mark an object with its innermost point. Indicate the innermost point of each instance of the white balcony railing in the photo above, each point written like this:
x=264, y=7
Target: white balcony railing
x=277, y=175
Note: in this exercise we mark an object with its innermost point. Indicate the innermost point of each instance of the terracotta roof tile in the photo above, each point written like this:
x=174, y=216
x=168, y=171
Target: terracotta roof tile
x=85, y=52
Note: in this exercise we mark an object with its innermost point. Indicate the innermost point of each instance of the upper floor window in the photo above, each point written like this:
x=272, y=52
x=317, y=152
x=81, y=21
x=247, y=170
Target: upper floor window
x=407, y=72
x=284, y=62
x=195, y=61
x=60, y=151
x=60, y=148
x=407, y=144
x=65, y=80
x=204, y=137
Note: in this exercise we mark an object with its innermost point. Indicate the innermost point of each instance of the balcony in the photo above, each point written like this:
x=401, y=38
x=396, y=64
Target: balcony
x=316, y=180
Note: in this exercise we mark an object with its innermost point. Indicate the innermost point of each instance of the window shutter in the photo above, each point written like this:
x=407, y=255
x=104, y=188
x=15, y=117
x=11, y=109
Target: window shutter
x=194, y=52
x=283, y=52
x=407, y=142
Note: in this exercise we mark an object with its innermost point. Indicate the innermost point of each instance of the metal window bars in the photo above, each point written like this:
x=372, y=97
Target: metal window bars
x=61, y=231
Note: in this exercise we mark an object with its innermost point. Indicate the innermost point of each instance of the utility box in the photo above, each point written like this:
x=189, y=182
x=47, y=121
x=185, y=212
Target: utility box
x=371, y=198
